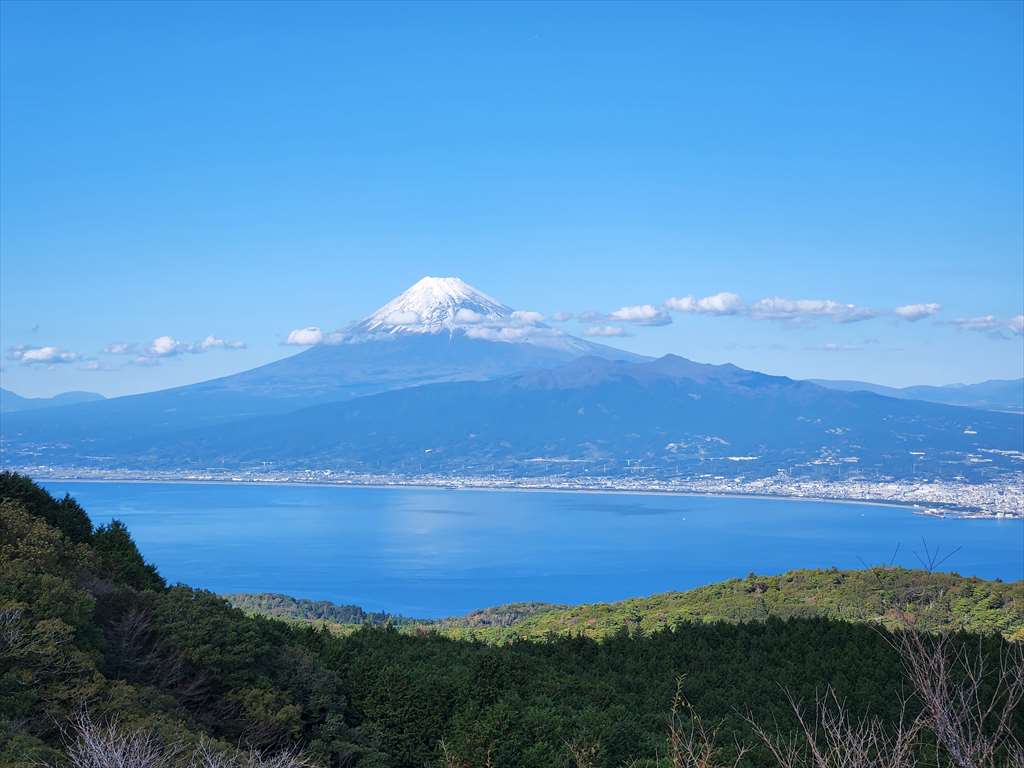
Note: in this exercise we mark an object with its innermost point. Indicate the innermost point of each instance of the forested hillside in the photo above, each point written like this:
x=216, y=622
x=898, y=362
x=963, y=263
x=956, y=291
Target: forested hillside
x=87, y=625
x=933, y=602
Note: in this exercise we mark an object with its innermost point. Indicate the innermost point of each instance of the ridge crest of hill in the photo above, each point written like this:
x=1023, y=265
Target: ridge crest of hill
x=880, y=595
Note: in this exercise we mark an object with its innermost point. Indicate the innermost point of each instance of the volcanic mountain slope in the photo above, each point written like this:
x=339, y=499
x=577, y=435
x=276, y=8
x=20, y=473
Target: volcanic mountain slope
x=593, y=415
x=441, y=329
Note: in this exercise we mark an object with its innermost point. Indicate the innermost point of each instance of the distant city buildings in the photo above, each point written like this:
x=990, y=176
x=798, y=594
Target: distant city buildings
x=995, y=499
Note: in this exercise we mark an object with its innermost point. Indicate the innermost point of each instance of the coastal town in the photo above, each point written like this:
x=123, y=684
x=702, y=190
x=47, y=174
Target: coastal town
x=996, y=499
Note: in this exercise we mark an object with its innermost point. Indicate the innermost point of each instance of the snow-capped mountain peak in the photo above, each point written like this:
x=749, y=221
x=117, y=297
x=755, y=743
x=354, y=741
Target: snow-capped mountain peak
x=449, y=305
x=433, y=305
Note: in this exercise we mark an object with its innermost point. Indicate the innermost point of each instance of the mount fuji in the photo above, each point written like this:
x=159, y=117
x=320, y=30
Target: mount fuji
x=445, y=378
x=439, y=330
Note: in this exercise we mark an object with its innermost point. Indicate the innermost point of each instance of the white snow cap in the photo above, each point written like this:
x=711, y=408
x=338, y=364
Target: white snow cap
x=435, y=304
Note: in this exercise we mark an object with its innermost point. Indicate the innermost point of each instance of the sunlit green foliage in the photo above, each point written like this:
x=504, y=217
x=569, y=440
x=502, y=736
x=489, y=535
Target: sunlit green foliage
x=888, y=596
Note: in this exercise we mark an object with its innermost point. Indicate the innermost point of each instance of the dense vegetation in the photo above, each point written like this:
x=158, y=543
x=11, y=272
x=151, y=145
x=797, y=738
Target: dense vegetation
x=286, y=607
x=934, y=602
x=889, y=596
x=85, y=622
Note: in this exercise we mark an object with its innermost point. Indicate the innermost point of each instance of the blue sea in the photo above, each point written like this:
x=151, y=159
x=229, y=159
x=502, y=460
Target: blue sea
x=438, y=552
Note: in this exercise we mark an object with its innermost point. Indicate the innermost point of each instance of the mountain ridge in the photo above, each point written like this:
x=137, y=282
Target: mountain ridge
x=992, y=394
x=879, y=595
x=669, y=415
x=11, y=402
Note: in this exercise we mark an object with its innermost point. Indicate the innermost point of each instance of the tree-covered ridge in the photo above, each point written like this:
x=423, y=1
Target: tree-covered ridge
x=344, y=618
x=934, y=602
x=285, y=607
x=87, y=625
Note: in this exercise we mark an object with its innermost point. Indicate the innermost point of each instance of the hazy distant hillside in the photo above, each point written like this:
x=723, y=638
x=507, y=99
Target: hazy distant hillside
x=593, y=415
x=993, y=395
x=12, y=403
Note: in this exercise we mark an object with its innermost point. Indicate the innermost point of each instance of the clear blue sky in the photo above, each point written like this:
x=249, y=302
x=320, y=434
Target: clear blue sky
x=244, y=169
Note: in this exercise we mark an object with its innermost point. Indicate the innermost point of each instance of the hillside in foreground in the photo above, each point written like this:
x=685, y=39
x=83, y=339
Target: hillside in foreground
x=934, y=602
x=86, y=625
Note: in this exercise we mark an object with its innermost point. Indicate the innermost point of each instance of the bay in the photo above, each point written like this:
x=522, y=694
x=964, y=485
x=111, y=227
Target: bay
x=438, y=552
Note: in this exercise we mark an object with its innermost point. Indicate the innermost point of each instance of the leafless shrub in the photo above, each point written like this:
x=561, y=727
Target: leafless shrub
x=833, y=738
x=13, y=638
x=693, y=743
x=139, y=654
x=109, y=744
x=449, y=759
x=91, y=744
x=969, y=699
x=583, y=754
x=207, y=756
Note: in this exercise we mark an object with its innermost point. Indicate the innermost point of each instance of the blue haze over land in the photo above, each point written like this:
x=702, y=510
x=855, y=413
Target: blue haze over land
x=431, y=553
x=446, y=379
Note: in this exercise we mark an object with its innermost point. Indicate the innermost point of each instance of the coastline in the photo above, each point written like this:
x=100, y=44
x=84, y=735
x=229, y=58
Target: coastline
x=461, y=485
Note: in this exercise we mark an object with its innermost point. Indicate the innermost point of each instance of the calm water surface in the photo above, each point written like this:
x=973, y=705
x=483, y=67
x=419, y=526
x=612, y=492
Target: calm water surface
x=425, y=552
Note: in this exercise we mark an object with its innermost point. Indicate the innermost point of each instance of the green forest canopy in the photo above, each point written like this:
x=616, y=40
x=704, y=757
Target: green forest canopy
x=84, y=621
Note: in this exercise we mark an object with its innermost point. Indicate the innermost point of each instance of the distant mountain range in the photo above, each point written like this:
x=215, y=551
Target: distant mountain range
x=447, y=379
x=992, y=395
x=12, y=403
x=592, y=415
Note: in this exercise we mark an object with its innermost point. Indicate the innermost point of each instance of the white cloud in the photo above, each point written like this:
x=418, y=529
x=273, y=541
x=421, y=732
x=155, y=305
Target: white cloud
x=167, y=346
x=992, y=325
x=212, y=342
x=724, y=303
x=605, y=330
x=305, y=337
x=980, y=323
x=500, y=333
x=519, y=332
x=92, y=364
x=562, y=317
x=527, y=318
x=641, y=314
x=914, y=312
x=469, y=317
x=334, y=338
x=403, y=318
x=47, y=355
x=777, y=308
x=834, y=347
